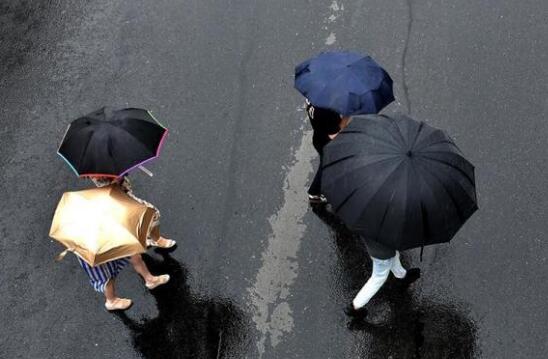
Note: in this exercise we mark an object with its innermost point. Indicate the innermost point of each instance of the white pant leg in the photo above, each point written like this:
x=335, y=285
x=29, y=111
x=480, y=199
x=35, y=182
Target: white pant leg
x=381, y=270
x=397, y=268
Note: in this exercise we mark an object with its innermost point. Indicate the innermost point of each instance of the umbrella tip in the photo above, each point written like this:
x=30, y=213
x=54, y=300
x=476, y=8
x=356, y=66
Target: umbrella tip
x=409, y=153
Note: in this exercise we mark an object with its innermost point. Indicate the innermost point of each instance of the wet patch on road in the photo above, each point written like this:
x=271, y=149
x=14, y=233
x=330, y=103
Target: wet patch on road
x=20, y=22
x=187, y=325
x=398, y=324
x=269, y=294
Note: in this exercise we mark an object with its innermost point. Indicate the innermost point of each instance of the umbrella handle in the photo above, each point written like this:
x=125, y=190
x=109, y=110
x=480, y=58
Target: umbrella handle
x=62, y=255
x=145, y=170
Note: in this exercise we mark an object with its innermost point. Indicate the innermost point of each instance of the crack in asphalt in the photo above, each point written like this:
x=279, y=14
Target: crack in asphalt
x=405, y=87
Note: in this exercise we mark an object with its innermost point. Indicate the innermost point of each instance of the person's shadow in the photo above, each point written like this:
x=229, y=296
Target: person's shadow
x=399, y=326
x=187, y=326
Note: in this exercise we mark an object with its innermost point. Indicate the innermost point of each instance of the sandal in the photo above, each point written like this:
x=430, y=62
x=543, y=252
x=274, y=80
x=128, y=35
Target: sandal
x=161, y=243
x=118, y=304
x=158, y=281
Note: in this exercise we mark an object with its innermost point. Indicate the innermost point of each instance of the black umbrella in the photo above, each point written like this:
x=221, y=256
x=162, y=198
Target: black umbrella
x=111, y=143
x=398, y=181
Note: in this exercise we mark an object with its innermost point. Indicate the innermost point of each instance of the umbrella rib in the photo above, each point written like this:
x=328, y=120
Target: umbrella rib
x=119, y=226
x=417, y=176
x=392, y=122
x=471, y=180
x=421, y=126
x=141, y=144
x=363, y=185
x=136, y=138
x=337, y=161
x=362, y=166
x=449, y=142
x=449, y=194
x=385, y=213
x=380, y=139
x=398, y=130
x=423, y=212
x=85, y=148
x=463, y=189
x=462, y=216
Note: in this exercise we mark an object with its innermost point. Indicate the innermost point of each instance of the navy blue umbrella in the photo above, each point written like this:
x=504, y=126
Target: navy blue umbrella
x=345, y=82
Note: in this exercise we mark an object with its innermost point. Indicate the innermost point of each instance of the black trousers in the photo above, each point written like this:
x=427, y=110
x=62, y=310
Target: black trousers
x=378, y=250
x=319, y=140
x=316, y=186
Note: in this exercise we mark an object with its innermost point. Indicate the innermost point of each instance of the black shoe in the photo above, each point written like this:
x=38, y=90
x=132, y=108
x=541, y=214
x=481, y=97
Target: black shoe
x=355, y=313
x=412, y=275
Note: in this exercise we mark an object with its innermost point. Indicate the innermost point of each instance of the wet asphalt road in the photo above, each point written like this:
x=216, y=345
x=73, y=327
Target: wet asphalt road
x=258, y=273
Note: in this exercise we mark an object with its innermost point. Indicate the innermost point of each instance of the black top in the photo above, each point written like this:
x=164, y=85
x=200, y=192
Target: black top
x=324, y=122
x=319, y=140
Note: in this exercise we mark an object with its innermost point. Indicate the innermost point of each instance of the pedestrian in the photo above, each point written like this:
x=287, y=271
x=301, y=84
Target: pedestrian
x=326, y=124
x=400, y=184
x=337, y=85
x=385, y=261
x=154, y=238
x=102, y=277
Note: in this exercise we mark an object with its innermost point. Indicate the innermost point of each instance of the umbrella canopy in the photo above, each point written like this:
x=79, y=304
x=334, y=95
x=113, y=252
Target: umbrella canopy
x=111, y=143
x=345, y=82
x=101, y=224
x=398, y=181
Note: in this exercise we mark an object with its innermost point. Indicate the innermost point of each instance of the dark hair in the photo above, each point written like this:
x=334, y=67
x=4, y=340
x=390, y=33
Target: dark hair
x=324, y=119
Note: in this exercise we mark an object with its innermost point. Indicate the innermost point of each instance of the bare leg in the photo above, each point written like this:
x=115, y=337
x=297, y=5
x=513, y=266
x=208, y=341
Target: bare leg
x=156, y=240
x=112, y=301
x=110, y=292
x=141, y=268
x=151, y=281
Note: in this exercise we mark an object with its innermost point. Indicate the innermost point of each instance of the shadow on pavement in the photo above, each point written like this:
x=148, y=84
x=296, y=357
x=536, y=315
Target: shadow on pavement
x=399, y=326
x=187, y=326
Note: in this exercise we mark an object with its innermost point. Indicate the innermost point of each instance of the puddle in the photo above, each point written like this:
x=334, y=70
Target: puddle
x=398, y=324
x=187, y=325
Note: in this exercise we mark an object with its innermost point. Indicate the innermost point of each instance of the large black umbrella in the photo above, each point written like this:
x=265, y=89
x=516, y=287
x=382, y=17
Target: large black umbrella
x=398, y=181
x=111, y=143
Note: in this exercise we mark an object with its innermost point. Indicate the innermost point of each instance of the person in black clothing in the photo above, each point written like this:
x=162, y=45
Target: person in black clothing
x=326, y=124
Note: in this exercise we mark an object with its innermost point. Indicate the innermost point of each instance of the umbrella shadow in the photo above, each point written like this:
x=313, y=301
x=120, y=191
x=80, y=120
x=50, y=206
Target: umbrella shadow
x=187, y=326
x=399, y=326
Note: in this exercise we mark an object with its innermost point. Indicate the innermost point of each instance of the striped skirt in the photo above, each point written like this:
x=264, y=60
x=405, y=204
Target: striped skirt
x=101, y=274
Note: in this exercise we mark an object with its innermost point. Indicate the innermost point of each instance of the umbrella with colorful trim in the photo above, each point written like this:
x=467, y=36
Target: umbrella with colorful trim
x=111, y=143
